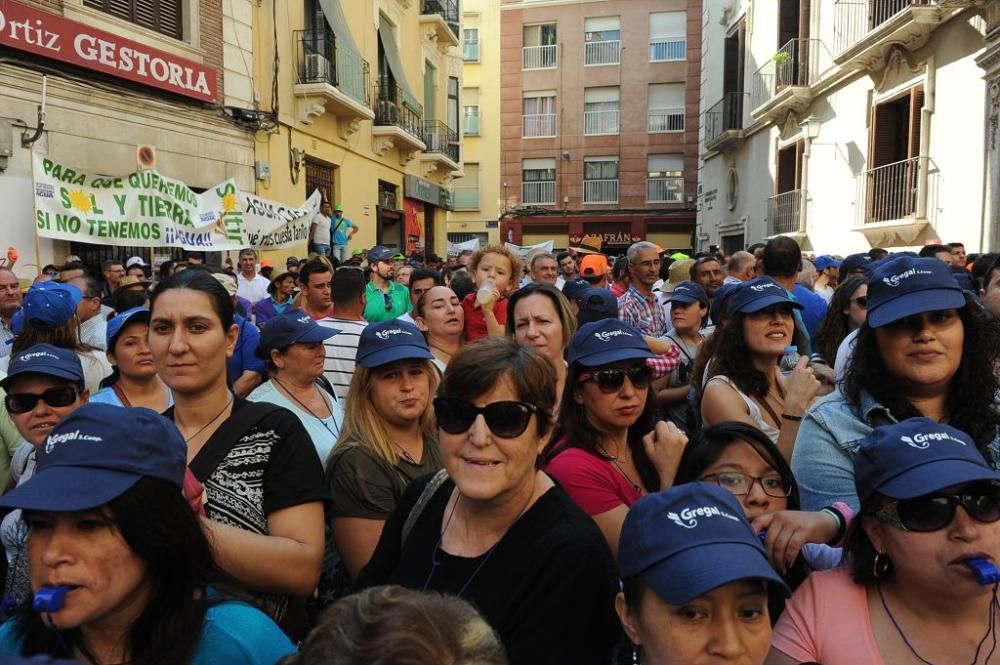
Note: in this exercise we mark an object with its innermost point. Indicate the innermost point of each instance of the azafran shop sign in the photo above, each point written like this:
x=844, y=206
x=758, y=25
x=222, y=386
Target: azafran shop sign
x=51, y=36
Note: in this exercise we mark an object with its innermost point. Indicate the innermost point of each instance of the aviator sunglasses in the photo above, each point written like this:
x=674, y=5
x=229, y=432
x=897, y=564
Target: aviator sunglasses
x=611, y=380
x=25, y=402
x=507, y=419
x=935, y=512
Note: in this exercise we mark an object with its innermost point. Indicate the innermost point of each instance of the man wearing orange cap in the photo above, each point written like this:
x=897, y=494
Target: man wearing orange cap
x=594, y=268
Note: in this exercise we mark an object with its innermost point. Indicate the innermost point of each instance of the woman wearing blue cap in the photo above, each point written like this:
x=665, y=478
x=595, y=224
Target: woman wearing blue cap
x=847, y=311
x=921, y=586
x=926, y=349
x=695, y=580
x=120, y=565
x=134, y=381
x=745, y=384
x=689, y=304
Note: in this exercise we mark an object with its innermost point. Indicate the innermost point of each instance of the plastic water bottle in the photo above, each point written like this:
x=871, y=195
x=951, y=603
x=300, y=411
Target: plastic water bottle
x=790, y=360
x=485, y=294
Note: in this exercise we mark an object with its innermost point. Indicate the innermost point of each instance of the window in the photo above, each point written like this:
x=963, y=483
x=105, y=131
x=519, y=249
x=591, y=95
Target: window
x=600, y=180
x=453, y=103
x=539, y=114
x=539, y=181
x=601, y=111
x=894, y=158
x=602, y=39
x=470, y=111
x=470, y=44
x=667, y=36
x=539, y=51
x=784, y=208
x=163, y=16
x=466, y=189
x=666, y=107
x=320, y=176
x=665, y=178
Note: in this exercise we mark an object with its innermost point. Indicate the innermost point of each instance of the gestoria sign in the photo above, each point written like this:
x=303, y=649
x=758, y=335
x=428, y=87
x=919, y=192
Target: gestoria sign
x=51, y=36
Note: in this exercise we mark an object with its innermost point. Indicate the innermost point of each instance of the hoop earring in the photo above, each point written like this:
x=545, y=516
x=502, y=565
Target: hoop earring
x=880, y=566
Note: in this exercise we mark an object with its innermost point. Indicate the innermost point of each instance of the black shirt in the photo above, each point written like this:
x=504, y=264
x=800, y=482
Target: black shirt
x=548, y=587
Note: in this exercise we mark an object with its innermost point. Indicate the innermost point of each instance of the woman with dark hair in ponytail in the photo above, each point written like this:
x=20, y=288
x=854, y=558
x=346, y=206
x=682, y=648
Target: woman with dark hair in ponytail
x=133, y=380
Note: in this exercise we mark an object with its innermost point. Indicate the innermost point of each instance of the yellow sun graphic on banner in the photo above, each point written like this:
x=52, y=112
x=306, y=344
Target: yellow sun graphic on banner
x=229, y=204
x=80, y=201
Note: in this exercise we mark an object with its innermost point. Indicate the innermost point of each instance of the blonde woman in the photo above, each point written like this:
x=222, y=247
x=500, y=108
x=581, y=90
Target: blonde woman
x=388, y=437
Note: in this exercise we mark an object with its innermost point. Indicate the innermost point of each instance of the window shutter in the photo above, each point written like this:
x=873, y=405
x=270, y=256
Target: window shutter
x=602, y=24
x=596, y=95
x=164, y=16
x=667, y=24
x=666, y=95
x=666, y=164
x=916, y=117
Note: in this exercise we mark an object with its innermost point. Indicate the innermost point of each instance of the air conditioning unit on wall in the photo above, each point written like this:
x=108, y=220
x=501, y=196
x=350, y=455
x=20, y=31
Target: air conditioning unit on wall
x=317, y=68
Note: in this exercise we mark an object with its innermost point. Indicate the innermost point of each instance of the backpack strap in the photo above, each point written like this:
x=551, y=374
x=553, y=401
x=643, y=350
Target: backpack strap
x=433, y=485
x=224, y=438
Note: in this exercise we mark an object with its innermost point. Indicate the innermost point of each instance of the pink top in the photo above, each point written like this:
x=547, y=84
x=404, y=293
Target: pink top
x=475, y=320
x=594, y=484
x=827, y=621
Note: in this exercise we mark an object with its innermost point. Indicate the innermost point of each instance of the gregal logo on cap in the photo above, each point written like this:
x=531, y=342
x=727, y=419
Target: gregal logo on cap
x=303, y=319
x=688, y=517
x=762, y=287
x=37, y=354
x=607, y=335
x=53, y=439
x=923, y=441
x=896, y=280
x=386, y=334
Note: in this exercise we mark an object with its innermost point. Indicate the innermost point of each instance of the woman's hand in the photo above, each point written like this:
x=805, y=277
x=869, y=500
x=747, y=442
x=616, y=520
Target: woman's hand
x=789, y=530
x=664, y=447
x=801, y=387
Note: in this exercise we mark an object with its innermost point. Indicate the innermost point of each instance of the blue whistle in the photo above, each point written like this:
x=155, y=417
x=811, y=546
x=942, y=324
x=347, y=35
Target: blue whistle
x=762, y=535
x=50, y=599
x=985, y=572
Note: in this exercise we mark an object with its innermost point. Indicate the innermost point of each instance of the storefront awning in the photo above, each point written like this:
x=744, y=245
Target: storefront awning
x=388, y=36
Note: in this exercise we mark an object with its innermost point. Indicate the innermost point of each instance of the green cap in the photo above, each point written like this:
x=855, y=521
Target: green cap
x=338, y=208
x=398, y=257
x=358, y=252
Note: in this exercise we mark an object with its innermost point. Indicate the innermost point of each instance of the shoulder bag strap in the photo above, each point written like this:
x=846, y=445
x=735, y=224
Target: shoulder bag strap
x=224, y=438
x=121, y=395
x=433, y=485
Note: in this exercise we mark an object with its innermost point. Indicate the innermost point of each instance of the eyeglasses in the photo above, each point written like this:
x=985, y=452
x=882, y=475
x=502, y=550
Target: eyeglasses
x=935, y=512
x=25, y=402
x=741, y=484
x=860, y=301
x=611, y=380
x=506, y=419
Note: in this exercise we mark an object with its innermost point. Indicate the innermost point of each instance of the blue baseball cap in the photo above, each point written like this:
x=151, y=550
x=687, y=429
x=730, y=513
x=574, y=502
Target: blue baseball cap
x=608, y=341
x=45, y=359
x=757, y=294
x=291, y=327
x=575, y=288
x=688, y=540
x=116, y=324
x=903, y=286
x=916, y=457
x=719, y=300
x=597, y=304
x=49, y=305
x=688, y=292
x=379, y=253
x=853, y=263
x=389, y=341
x=96, y=454
x=826, y=261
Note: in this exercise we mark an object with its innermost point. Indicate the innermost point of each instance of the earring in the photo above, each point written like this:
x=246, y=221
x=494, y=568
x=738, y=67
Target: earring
x=635, y=655
x=880, y=566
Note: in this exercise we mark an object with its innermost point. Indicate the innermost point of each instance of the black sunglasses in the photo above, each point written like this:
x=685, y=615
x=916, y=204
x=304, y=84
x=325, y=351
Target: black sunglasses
x=611, y=380
x=388, y=302
x=935, y=512
x=506, y=419
x=25, y=402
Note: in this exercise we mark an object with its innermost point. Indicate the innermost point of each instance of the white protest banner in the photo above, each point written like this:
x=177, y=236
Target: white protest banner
x=522, y=251
x=456, y=248
x=147, y=209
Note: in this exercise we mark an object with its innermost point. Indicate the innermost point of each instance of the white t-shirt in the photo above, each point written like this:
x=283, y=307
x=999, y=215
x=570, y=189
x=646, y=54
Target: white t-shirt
x=252, y=289
x=824, y=292
x=321, y=236
x=341, y=351
x=845, y=352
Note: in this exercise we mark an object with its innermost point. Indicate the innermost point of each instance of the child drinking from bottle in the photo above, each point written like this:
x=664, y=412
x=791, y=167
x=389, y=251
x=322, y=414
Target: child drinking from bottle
x=493, y=270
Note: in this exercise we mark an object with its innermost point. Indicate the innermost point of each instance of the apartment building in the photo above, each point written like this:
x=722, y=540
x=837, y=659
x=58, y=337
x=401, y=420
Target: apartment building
x=476, y=193
x=848, y=124
x=367, y=101
x=599, y=107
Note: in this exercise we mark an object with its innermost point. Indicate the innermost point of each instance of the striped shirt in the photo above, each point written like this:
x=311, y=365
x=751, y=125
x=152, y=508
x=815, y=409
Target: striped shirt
x=643, y=313
x=341, y=349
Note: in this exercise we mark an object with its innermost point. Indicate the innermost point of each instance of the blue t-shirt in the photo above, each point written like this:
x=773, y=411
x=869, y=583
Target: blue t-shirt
x=243, y=358
x=233, y=634
x=109, y=396
x=340, y=235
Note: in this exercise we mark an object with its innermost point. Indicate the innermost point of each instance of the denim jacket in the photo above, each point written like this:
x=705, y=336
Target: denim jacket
x=831, y=432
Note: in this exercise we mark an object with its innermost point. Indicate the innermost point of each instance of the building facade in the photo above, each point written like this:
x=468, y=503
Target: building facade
x=848, y=124
x=599, y=106
x=367, y=110
x=109, y=88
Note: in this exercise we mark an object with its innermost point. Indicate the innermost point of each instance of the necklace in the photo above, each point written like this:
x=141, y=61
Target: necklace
x=614, y=460
x=308, y=410
x=990, y=629
x=188, y=440
x=435, y=346
x=407, y=456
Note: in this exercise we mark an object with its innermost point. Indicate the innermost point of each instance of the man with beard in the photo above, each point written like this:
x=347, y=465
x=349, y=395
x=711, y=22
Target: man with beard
x=385, y=298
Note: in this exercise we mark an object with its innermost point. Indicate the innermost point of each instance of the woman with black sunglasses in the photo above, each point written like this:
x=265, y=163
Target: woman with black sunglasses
x=847, y=310
x=607, y=449
x=921, y=581
x=495, y=530
x=926, y=349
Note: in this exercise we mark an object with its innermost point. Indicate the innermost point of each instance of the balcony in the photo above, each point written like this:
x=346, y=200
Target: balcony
x=396, y=123
x=666, y=189
x=724, y=123
x=466, y=198
x=782, y=83
x=471, y=125
x=441, y=152
x=331, y=77
x=539, y=125
x=668, y=49
x=784, y=213
x=470, y=50
x=607, y=52
x=599, y=123
x=541, y=192
x=900, y=198
x=866, y=30
x=539, y=57
x=600, y=191
x=663, y=120
x=443, y=16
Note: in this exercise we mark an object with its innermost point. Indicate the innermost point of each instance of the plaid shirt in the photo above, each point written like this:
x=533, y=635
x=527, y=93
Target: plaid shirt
x=643, y=313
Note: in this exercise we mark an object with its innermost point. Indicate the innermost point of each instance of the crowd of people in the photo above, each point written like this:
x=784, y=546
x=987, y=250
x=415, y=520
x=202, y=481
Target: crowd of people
x=763, y=458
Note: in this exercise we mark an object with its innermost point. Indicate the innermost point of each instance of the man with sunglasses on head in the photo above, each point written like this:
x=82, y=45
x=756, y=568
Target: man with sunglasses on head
x=385, y=299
